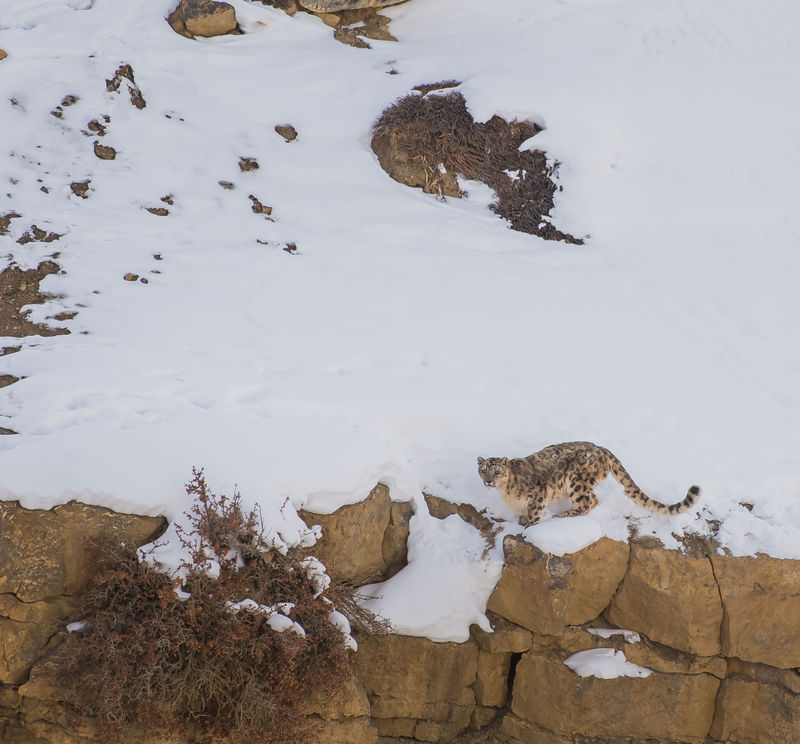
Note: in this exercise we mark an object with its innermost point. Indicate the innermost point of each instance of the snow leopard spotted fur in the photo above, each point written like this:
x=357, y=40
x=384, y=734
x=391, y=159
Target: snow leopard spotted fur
x=572, y=469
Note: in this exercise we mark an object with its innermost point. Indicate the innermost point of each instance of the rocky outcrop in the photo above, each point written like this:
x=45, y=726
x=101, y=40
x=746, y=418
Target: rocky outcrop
x=364, y=542
x=670, y=597
x=761, y=602
x=428, y=694
x=545, y=593
x=715, y=638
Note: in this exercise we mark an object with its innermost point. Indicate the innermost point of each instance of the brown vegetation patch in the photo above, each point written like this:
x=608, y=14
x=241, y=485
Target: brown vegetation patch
x=194, y=665
x=426, y=140
x=17, y=289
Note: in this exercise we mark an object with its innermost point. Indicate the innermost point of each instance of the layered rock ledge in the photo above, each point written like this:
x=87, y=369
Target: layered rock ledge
x=714, y=639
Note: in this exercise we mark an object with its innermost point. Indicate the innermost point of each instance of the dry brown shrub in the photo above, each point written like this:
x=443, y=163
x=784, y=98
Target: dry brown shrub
x=148, y=659
x=441, y=130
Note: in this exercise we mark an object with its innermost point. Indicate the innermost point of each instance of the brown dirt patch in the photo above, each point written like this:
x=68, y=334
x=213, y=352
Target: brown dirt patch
x=17, y=289
x=426, y=140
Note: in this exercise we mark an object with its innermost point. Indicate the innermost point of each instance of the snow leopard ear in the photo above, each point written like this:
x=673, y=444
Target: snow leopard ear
x=504, y=460
x=481, y=461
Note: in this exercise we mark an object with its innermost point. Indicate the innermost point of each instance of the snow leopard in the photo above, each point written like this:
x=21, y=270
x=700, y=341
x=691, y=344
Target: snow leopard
x=529, y=484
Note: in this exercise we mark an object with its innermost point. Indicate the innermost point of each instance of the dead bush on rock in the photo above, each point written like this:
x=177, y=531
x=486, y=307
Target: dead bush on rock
x=425, y=140
x=227, y=652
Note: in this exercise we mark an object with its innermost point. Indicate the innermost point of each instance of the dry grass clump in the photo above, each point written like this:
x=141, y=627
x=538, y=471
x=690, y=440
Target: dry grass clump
x=439, y=136
x=211, y=661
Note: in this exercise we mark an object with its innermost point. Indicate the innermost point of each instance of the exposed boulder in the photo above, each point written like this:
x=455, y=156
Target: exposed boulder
x=545, y=593
x=761, y=598
x=203, y=18
x=662, y=707
x=671, y=597
x=43, y=552
x=428, y=693
x=361, y=541
x=750, y=711
x=25, y=629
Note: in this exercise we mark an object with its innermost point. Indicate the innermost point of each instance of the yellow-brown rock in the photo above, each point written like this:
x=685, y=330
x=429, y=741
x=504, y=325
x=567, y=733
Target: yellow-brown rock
x=25, y=629
x=518, y=731
x=358, y=538
x=394, y=547
x=347, y=701
x=491, y=681
x=208, y=17
x=545, y=593
x=670, y=597
x=506, y=637
x=663, y=707
x=761, y=597
x=750, y=712
x=409, y=678
x=348, y=731
x=43, y=553
x=643, y=652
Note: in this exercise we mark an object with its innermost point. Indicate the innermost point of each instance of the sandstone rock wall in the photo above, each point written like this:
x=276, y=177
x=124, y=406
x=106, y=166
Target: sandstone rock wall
x=719, y=634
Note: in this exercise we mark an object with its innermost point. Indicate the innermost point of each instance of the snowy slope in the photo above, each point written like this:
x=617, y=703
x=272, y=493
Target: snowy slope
x=407, y=336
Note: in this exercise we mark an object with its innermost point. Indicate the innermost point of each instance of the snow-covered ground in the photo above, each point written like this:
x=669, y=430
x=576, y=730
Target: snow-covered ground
x=407, y=336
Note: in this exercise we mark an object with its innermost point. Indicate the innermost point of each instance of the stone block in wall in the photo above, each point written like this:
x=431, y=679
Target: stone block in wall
x=491, y=681
x=408, y=678
x=25, y=629
x=518, y=731
x=347, y=731
x=396, y=727
x=753, y=712
x=349, y=700
x=506, y=637
x=544, y=593
x=43, y=553
x=672, y=598
x=761, y=597
x=671, y=707
x=643, y=652
x=482, y=716
x=356, y=537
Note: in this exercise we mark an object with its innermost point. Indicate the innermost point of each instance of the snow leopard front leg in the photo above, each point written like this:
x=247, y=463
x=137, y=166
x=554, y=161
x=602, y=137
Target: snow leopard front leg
x=533, y=511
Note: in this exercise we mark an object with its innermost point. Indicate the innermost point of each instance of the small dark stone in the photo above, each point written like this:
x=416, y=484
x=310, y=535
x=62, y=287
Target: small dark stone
x=287, y=131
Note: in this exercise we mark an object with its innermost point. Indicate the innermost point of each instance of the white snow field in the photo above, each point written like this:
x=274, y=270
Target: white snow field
x=407, y=336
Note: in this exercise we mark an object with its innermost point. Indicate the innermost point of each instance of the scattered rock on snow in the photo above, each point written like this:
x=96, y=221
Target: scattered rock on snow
x=333, y=6
x=80, y=188
x=287, y=131
x=125, y=73
x=227, y=185
x=3, y=54
x=104, y=152
x=37, y=235
x=248, y=164
x=130, y=277
x=258, y=207
x=158, y=211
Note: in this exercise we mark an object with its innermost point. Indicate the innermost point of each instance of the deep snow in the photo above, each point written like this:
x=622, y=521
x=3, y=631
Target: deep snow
x=407, y=335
